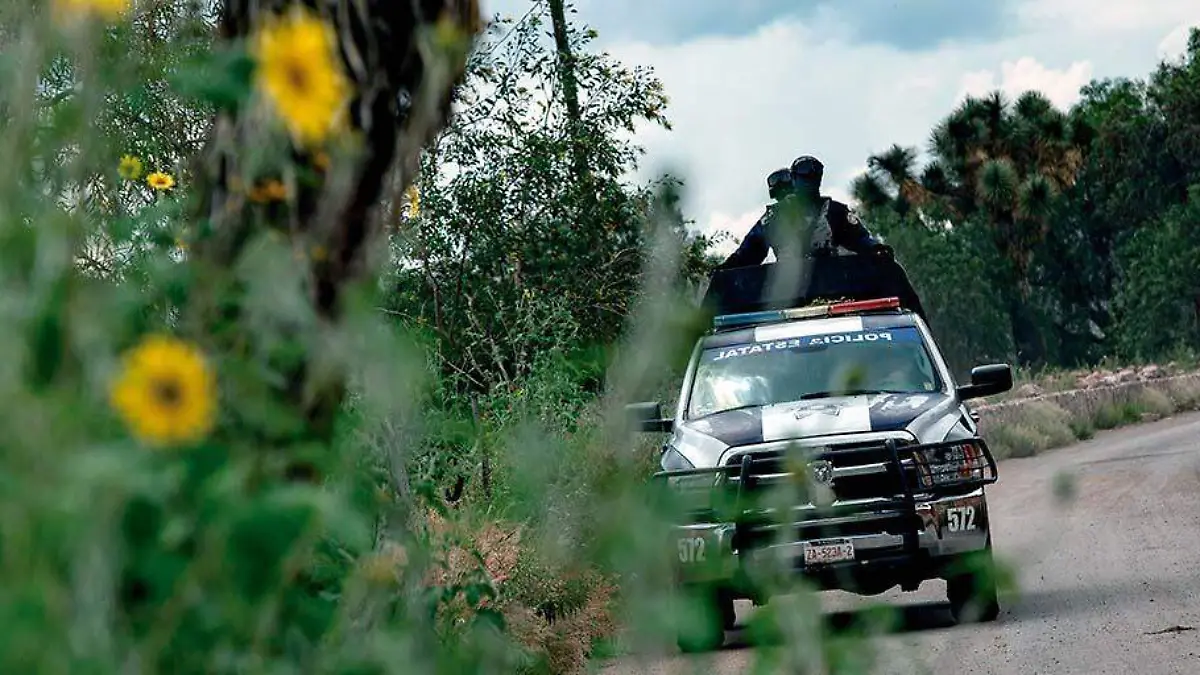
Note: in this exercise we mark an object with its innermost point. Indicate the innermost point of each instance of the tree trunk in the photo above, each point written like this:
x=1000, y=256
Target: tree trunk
x=388, y=59
x=570, y=88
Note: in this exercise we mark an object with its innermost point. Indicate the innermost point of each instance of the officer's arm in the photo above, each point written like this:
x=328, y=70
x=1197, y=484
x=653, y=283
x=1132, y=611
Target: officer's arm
x=752, y=250
x=849, y=231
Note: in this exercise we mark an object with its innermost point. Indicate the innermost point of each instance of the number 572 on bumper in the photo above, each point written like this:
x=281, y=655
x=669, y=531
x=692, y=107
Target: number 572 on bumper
x=702, y=551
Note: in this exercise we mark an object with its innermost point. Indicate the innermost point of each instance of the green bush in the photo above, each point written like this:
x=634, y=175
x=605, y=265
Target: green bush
x=1016, y=441
x=1113, y=415
x=1038, y=426
x=1083, y=429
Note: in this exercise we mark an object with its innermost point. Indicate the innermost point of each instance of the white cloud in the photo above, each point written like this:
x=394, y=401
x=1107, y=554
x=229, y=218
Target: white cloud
x=1103, y=19
x=737, y=226
x=1025, y=74
x=1174, y=45
x=744, y=106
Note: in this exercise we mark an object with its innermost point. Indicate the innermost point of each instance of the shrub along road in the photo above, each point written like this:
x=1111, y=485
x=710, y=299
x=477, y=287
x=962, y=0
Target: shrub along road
x=1102, y=536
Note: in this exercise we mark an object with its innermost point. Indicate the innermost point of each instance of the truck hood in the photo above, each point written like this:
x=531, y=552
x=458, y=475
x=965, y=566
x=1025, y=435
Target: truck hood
x=928, y=416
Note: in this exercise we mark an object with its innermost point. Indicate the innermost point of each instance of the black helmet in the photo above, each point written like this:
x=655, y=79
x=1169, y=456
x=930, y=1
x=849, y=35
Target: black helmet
x=807, y=169
x=807, y=172
x=779, y=183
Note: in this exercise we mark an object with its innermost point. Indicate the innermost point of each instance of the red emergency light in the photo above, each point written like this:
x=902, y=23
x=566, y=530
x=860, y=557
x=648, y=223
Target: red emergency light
x=863, y=306
x=810, y=312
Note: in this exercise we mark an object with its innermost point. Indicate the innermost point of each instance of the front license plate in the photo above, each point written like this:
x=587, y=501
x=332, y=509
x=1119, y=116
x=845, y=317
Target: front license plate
x=828, y=551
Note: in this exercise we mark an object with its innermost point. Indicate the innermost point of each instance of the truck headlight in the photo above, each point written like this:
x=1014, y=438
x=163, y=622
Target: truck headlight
x=673, y=460
x=953, y=464
x=692, y=494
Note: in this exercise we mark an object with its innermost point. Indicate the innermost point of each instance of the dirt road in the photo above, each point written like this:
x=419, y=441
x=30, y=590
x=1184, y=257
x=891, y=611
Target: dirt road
x=1109, y=581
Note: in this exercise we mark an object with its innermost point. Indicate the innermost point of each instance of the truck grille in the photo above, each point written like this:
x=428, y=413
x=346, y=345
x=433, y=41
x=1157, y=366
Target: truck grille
x=868, y=493
x=862, y=471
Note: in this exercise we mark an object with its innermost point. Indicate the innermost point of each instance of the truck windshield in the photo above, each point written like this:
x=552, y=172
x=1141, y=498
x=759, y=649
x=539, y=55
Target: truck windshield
x=793, y=369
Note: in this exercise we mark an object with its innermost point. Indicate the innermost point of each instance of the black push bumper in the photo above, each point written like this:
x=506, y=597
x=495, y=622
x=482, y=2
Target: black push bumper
x=853, y=519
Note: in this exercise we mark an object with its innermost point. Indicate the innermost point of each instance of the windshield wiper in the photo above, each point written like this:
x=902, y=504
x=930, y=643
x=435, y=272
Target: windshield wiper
x=851, y=392
x=718, y=412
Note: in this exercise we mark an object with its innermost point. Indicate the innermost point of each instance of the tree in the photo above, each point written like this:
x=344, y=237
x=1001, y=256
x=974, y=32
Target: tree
x=1144, y=192
x=952, y=269
x=890, y=182
x=1158, y=297
x=1085, y=211
x=998, y=164
x=511, y=254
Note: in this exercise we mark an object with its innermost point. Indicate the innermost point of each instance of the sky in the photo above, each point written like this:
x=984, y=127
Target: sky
x=754, y=87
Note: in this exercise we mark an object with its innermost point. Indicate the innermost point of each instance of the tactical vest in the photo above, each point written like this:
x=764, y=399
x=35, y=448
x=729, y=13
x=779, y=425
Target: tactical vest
x=816, y=228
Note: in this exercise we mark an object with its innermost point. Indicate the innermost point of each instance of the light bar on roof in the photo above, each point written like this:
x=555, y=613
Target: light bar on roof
x=812, y=312
x=863, y=306
x=769, y=316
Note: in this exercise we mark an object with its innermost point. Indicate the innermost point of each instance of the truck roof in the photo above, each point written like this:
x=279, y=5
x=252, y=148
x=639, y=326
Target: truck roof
x=854, y=317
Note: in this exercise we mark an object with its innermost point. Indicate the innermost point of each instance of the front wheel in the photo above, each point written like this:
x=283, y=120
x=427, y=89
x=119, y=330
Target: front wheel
x=972, y=592
x=704, y=615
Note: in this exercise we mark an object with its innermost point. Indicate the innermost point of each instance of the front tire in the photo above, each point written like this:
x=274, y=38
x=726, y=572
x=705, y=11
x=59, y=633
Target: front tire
x=972, y=592
x=705, y=614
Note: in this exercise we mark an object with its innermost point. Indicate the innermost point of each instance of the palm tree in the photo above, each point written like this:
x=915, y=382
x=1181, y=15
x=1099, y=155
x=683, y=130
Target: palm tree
x=891, y=181
x=1002, y=164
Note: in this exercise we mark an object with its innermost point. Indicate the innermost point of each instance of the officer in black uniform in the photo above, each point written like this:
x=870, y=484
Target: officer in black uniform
x=802, y=218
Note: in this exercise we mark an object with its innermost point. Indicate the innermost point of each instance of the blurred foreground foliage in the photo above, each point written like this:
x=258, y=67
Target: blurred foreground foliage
x=283, y=394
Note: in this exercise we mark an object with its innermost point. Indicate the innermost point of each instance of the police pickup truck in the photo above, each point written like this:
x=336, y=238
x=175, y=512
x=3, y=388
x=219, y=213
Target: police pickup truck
x=828, y=443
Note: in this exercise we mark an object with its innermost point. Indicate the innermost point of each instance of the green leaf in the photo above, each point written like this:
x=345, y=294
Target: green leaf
x=222, y=78
x=1036, y=197
x=997, y=184
x=261, y=538
x=47, y=337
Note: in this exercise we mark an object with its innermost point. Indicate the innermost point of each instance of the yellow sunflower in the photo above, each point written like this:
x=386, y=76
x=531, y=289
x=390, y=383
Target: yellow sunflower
x=109, y=10
x=130, y=167
x=160, y=181
x=299, y=71
x=165, y=392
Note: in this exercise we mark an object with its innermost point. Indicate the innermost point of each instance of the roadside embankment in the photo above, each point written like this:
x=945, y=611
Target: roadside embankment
x=1041, y=421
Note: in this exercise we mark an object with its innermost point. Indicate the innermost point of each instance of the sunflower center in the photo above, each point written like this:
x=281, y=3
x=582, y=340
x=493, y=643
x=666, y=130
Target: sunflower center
x=167, y=392
x=297, y=75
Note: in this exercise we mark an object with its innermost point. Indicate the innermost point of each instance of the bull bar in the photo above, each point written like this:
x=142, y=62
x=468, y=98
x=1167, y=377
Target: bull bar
x=922, y=473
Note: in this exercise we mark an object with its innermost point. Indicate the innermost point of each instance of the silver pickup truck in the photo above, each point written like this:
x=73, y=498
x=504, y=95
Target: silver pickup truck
x=831, y=443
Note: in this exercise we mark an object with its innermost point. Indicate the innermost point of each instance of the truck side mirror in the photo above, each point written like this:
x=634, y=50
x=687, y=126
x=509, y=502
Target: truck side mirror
x=647, y=416
x=987, y=380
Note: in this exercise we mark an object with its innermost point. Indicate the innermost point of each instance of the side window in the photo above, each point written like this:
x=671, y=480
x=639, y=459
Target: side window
x=925, y=365
x=700, y=397
x=929, y=367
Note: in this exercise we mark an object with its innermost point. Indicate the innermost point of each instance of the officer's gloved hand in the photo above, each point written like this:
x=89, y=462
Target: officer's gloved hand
x=883, y=251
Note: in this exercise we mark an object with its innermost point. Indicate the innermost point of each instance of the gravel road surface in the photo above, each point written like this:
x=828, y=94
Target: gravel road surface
x=1109, y=580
